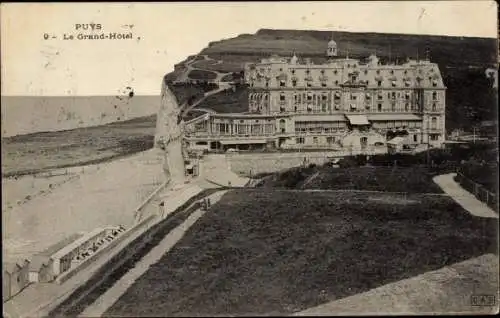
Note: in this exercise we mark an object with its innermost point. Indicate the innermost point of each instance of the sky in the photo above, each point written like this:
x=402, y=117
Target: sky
x=166, y=33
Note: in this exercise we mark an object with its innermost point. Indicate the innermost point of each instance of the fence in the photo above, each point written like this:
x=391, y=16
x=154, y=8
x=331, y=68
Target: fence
x=479, y=191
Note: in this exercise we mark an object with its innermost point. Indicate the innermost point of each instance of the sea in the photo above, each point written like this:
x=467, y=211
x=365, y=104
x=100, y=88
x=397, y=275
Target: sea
x=29, y=114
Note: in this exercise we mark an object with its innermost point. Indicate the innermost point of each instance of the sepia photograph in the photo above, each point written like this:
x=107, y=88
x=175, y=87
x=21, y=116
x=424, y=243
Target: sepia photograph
x=290, y=158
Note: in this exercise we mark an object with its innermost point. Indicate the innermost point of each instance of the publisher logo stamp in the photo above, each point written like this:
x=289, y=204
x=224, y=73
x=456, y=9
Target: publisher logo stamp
x=483, y=300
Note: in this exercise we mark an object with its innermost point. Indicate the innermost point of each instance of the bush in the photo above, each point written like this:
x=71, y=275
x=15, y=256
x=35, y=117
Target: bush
x=347, y=162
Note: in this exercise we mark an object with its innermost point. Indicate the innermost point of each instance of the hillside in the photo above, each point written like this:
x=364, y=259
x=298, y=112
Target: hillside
x=462, y=60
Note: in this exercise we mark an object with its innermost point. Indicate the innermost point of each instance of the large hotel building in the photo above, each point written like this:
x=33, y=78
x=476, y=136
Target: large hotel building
x=341, y=104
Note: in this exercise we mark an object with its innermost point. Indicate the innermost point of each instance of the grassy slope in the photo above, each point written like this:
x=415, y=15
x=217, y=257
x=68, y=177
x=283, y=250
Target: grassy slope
x=31, y=153
x=227, y=101
x=462, y=60
x=391, y=179
x=276, y=252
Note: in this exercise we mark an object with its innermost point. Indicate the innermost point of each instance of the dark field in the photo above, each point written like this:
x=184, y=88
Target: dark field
x=390, y=179
x=202, y=75
x=278, y=252
x=32, y=153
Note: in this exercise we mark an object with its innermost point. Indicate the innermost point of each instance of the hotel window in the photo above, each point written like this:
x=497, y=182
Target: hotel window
x=294, y=83
x=348, y=65
x=392, y=71
x=324, y=97
x=379, y=107
x=393, y=95
x=295, y=98
x=323, y=84
x=330, y=140
x=299, y=140
x=405, y=72
x=353, y=96
x=434, y=83
x=267, y=83
x=434, y=95
x=309, y=97
x=295, y=109
x=379, y=83
x=407, y=106
x=378, y=71
x=393, y=106
x=393, y=83
x=335, y=72
x=282, y=84
x=315, y=140
x=293, y=71
x=353, y=78
x=366, y=72
x=282, y=97
x=308, y=71
x=407, y=96
x=415, y=138
x=433, y=123
x=433, y=107
x=336, y=82
x=309, y=84
x=281, y=70
x=322, y=71
x=379, y=96
x=434, y=137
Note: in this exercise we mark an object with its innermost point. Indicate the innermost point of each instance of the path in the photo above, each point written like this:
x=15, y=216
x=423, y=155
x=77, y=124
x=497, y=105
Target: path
x=309, y=179
x=447, y=290
x=466, y=199
x=222, y=87
x=99, y=307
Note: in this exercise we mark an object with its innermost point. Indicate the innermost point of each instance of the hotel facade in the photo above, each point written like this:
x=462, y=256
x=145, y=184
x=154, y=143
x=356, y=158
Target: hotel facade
x=341, y=104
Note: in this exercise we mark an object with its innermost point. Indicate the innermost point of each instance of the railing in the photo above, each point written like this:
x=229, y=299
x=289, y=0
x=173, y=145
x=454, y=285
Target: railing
x=479, y=191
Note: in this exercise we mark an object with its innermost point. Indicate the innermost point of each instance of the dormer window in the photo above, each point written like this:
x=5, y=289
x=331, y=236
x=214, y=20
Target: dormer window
x=335, y=72
x=379, y=83
x=293, y=71
x=393, y=83
x=322, y=71
x=434, y=83
x=323, y=84
x=282, y=83
x=407, y=83
x=366, y=72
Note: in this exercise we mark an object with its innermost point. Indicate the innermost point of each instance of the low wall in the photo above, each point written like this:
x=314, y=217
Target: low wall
x=247, y=164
